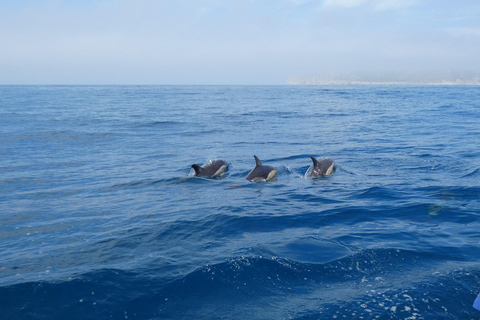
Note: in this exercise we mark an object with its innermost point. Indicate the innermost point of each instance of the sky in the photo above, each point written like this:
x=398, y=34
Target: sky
x=237, y=42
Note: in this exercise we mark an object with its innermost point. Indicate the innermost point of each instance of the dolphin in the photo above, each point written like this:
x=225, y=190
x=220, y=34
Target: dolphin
x=212, y=169
x=322, y=167
x=261, y=172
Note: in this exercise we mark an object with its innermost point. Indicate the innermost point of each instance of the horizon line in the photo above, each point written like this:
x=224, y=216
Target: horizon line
x=288, y=83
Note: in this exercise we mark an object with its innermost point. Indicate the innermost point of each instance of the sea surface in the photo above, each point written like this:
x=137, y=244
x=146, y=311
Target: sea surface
x=101, y=216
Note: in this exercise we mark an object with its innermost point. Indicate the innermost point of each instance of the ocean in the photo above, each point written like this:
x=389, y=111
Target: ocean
x=102, y=217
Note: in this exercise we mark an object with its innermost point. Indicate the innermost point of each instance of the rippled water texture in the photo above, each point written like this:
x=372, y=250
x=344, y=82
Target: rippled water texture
x=102, y=217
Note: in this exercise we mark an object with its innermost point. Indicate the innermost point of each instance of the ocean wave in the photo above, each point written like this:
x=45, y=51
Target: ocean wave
x=472, y=173
x=375, y=282
x=451, y=192
x=142, y=183
x=383, y=193
x=162, y=124
x=384, y=282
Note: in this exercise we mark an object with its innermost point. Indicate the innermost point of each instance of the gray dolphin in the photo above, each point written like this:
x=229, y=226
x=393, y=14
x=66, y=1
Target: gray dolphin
x=261, y=172
x=211, y=170
x=322, y=167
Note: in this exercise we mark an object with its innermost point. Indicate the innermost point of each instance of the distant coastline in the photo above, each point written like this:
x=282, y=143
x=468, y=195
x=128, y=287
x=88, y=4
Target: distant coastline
x=359, y=80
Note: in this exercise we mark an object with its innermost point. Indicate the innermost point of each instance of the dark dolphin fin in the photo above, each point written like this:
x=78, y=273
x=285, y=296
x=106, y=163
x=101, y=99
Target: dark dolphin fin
x=197, y=169
x=315, y=161
x=257, y=161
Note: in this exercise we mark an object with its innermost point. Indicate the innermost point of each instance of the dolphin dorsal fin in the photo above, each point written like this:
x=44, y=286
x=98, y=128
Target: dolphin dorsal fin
x=197, y=168
x=258, y=163
x=315, y=161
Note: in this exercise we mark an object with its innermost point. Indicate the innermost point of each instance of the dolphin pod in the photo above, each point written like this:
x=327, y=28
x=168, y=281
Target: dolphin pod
x=217, y=168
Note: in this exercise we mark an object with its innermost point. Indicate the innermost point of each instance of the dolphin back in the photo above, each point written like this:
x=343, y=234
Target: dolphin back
x=198, y=169
x=323, y=167
x=212, y=169
x=257, y=161
x=261, y=172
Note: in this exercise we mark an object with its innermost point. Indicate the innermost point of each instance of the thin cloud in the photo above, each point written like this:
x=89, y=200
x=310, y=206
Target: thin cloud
x=343, y=3
x=465, y=32
x=297, y=2
x=377, y=5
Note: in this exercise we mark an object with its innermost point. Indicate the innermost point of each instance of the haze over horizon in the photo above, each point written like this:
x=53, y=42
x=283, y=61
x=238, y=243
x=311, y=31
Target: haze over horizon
x=239, y=42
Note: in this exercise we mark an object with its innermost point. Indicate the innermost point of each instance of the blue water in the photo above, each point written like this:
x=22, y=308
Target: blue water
x=101, y=216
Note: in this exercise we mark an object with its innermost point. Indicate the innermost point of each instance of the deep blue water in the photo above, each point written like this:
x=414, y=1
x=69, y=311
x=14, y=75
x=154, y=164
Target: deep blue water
x=102, y=218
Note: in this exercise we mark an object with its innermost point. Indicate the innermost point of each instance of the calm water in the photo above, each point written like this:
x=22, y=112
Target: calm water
x=101, y=217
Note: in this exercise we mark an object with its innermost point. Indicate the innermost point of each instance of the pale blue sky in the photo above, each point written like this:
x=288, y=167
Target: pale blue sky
x=234, y=42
